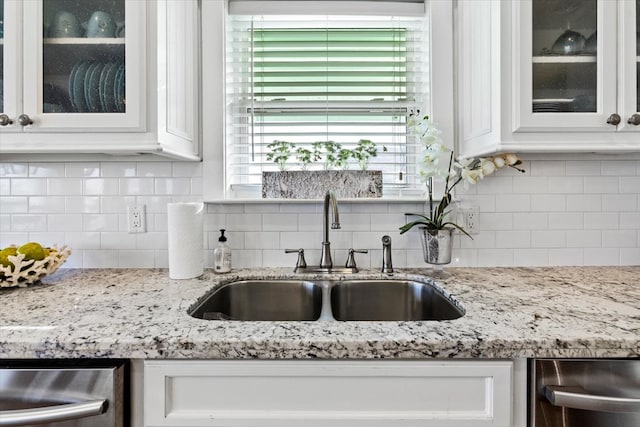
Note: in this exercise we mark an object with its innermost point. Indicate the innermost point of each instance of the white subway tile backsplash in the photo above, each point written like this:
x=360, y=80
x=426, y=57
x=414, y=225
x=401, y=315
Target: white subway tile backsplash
x=584, y=202
x=630, y=256
x=619, y=167
x=530, y=221
x=262, y=240
x=136, y=186
x=566, y=220
x=279, y=222
x=43, y=204
x=100, y=222
x=601, y=220
x=28, y=187
x=557, y=213
x=47, y=238
x=117, y=240
x=548, y=202
x=583, y=167
x=601, y=256
x=82, y=170
x=513, y=203
x=630, y=220
x=566, y=185
x=619, y=239
x=154, y=169
x=549, y=168
x=10, y=204
x=533, y=257
x=8, y=170
x=630, y=185
x=548, y=239
x=601, y=184
x=513, y=239
x=20, y=222
x=101, y=186
x=64, y=186
x=619, y=202
x=584, y=239
x=65, y=222
x=566, y=256
x=46, y=170
x=530, y=184
x=118, y=169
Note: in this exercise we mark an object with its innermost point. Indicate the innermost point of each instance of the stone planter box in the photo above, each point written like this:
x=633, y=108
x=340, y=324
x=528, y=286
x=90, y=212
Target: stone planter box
x=348, y=184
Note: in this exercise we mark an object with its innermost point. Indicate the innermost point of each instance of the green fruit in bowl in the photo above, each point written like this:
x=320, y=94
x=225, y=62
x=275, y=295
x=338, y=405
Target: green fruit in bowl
x=6, y=253
x=32, y=250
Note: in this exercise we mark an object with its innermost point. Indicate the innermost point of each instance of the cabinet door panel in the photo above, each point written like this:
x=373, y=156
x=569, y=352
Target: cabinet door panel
x=329, y=393
x=86, y=65
x=565, y=74
x=10, y=60
x=629, y=75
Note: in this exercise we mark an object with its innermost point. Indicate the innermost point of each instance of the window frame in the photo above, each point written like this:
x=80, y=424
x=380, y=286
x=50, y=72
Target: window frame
x=440, y=13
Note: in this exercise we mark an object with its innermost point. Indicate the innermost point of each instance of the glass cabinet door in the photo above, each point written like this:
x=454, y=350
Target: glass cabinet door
x=86, y=71
x=567, y=64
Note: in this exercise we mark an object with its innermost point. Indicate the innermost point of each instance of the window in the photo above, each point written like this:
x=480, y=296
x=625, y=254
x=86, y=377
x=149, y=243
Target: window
x=310, y=78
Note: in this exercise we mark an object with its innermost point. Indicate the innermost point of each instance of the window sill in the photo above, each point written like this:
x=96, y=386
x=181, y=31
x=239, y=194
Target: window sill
x=389, y=200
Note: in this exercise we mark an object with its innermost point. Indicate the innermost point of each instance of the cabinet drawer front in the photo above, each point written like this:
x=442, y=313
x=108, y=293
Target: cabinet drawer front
x=301, y=393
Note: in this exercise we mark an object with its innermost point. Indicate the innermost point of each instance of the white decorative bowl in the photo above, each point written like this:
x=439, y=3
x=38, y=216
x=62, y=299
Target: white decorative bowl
x=26, y=272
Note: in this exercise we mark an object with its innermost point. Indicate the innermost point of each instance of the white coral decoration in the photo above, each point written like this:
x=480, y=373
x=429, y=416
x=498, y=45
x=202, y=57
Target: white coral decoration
x=25, y=272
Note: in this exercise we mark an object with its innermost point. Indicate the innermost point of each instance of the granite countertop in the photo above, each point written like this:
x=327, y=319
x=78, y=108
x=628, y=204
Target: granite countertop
x=510, y=313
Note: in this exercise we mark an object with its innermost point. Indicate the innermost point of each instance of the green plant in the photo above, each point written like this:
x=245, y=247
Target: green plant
x=306, y=157
x=364, y=151
x=331, y=151
x=281, y=151
x=469, y=171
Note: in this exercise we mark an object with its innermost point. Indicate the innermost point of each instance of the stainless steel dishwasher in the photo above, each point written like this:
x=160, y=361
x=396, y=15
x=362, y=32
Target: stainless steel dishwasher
x=63, y=393
x=584, y=393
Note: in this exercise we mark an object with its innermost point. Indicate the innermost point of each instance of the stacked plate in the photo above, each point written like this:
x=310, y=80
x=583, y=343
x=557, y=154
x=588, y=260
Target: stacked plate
x=550, y=105
x=97, y=87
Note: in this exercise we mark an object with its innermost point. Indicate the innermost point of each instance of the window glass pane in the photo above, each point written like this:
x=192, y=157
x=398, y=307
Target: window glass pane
x=312, y=79
x=83, y=56
x=1, y=56
x=565, y=56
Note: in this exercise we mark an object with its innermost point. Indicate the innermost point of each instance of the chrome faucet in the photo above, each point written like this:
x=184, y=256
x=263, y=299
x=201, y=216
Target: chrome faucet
x=387, y=265
x=329, y=198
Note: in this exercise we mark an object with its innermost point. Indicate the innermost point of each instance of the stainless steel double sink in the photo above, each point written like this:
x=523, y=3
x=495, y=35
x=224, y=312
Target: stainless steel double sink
x=311, y=300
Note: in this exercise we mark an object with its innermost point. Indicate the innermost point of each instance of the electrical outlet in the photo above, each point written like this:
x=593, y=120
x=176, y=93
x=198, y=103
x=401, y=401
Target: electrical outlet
x=136, y=219
x=471, y=219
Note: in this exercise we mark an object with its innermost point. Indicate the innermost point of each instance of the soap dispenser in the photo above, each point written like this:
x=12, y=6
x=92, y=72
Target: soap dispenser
x=222, y=255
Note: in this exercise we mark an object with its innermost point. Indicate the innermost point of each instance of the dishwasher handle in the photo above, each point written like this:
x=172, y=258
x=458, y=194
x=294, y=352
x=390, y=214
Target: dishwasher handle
x=579, y=398
x=51, y=414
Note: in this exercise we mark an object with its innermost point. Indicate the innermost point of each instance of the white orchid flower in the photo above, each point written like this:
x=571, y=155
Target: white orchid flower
x=511, y=159
x=498, y=161
x=487, y=166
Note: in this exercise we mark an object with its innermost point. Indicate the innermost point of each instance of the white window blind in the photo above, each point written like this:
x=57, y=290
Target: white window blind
x=306, y=79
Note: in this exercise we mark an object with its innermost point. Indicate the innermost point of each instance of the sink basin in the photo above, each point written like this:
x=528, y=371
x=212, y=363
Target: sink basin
x=348, y=300
x=282, y=300
x=391, y=300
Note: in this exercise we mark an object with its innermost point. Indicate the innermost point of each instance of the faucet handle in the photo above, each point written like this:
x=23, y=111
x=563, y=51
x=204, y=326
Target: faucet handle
x=351, y=259
x=300, y=263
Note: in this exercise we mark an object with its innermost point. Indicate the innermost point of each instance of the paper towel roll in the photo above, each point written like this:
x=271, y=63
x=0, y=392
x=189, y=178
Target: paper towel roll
x=185, y=229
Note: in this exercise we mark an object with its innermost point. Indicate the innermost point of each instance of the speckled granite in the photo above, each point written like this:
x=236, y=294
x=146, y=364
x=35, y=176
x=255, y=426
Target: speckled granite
x=510, y=312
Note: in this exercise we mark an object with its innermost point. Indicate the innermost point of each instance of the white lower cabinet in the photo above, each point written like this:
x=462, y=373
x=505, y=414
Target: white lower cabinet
x=328, y=393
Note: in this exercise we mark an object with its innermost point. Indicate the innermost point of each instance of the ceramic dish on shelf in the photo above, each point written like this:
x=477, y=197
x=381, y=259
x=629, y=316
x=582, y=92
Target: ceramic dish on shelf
x=120, y=88
x=78, y=86
x=92, y=88
x=103, y=87
x=109, y=97
x=551, y=105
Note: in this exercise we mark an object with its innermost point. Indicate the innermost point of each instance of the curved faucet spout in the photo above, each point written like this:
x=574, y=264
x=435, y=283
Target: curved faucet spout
x=329, y=199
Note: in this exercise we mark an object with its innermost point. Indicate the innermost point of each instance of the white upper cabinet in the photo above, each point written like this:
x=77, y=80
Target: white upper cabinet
x=81, y=76
x=548, y=76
